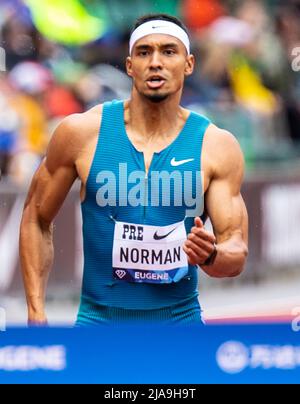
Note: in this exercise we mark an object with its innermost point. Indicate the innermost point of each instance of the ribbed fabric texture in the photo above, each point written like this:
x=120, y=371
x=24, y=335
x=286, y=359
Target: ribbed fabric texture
x=114, y=147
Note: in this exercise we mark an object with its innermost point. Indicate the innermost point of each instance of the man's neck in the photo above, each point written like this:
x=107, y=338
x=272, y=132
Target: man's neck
x=152, y=119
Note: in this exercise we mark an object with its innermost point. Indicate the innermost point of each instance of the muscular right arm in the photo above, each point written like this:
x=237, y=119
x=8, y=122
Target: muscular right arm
x=48, y=189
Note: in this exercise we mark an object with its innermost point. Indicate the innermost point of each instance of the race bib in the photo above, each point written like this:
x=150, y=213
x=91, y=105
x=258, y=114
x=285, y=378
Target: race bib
x=151, y=254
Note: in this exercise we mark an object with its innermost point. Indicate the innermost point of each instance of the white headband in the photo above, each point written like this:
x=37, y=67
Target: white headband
x=159, y=27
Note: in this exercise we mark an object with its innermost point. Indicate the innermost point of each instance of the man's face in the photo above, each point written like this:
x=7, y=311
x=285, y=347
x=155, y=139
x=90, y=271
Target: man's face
x=158, y=65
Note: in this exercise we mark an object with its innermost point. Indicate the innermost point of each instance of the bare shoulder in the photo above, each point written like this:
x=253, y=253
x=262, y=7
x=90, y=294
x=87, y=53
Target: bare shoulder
x=78, y=127
x=72, y=135
x=223, y=153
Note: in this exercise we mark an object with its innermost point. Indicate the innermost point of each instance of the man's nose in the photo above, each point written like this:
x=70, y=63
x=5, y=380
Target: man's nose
x=156, y=62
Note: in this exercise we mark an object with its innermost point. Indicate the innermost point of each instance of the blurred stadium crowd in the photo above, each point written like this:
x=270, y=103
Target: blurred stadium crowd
x=244, y=79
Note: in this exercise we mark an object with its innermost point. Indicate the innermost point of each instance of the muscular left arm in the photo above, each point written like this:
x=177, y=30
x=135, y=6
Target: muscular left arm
x=227, y=212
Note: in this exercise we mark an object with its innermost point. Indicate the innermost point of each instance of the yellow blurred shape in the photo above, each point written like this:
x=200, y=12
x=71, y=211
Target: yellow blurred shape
x=65, y=21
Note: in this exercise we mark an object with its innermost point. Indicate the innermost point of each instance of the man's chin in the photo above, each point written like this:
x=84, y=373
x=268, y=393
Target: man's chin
x=156, y=98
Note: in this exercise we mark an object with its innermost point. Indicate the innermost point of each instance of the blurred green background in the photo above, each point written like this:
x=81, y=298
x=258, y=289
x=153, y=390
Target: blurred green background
x=64, y=57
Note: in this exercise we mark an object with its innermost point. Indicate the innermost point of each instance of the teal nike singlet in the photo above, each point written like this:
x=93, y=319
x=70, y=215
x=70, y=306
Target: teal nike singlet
x=134, y=226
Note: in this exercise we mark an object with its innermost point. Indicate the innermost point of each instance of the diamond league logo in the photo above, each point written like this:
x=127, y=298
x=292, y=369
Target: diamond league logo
x=120, y=273
x=233, y=357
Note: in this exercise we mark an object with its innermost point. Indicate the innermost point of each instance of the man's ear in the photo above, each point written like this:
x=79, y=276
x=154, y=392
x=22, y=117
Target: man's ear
x=189, y=65
x=129, y=66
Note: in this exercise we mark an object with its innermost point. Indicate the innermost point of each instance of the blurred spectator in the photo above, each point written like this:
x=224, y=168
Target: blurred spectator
x=20, y=41
x=9, y=122
x=243, y=77
x=29, y=81
x=288, y=26
x=198, y=14
x=59, y=101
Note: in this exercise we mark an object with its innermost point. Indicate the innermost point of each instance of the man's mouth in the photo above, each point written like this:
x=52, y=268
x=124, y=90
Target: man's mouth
x=155, y=82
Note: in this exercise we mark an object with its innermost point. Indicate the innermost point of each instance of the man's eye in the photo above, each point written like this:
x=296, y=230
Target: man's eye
x=143, y=53
x=169, y=52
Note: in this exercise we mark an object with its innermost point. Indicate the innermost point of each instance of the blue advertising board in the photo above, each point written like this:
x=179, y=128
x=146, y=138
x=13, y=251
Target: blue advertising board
x=151, y=354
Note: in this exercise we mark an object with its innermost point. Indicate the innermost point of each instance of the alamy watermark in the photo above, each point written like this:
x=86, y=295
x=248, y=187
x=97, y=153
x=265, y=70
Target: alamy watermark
x=161, y=188
x=2, y=60
x=296, y=60
x=2, y=319
x=296, y=320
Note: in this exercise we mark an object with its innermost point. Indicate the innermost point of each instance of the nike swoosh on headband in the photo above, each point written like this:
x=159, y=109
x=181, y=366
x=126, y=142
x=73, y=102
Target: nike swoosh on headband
x=159, y=26
x=175, y=163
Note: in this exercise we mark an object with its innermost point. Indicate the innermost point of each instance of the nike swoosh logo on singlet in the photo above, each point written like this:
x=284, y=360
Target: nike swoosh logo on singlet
x=175, y=163
x=157, y=237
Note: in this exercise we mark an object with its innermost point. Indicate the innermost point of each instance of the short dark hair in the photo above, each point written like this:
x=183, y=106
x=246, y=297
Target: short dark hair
x=164, y=17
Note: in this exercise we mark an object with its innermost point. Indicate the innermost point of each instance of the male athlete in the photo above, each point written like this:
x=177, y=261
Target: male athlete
x=150, y=176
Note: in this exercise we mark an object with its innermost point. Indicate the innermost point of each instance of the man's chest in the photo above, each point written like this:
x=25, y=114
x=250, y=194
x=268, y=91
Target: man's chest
x=172, y=163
